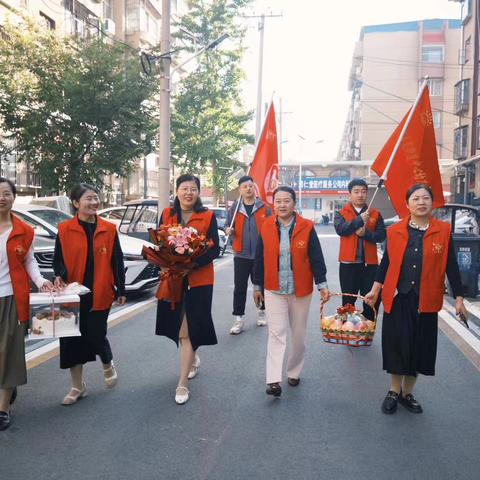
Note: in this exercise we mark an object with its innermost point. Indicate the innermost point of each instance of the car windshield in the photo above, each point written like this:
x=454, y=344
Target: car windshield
x=53, y=217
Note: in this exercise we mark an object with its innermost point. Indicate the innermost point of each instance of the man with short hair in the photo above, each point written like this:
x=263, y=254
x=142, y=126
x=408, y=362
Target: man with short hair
x=360, y=229
x=245, y=232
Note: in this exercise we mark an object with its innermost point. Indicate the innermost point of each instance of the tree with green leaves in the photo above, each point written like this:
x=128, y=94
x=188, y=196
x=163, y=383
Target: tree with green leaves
x=75, y=110
x=208, y=118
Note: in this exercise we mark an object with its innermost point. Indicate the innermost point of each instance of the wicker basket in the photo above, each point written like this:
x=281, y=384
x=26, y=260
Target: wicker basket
x=349, y=337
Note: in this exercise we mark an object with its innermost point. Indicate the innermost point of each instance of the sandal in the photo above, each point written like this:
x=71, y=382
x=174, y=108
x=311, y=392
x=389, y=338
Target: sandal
x=110, y=376
x=74, y=395
x=194, y=368
x=181, y=395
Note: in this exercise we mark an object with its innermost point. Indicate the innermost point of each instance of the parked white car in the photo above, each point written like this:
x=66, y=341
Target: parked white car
x=147, y=219
x=139, y=274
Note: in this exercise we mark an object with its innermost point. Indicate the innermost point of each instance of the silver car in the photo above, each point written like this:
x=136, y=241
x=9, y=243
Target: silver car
x=139, y=274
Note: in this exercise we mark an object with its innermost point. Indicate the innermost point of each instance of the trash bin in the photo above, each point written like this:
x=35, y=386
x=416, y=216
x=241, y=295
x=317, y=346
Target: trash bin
x=467, y=250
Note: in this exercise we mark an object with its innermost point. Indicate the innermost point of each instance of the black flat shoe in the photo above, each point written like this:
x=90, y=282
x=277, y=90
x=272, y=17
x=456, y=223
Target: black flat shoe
x=390, y=403
x=274, y=389
x=14, y=396
x=293, y=381
x=409, y=402
x=4, y=420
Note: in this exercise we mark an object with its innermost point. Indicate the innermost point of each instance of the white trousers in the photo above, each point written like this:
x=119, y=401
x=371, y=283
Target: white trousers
x=282, y=312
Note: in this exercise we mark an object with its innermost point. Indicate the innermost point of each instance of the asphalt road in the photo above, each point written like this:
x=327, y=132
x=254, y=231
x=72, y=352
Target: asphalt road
x=328, y=427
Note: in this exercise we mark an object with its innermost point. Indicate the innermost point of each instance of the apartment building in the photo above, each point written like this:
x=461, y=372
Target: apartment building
x=389, y=64
x=465, y=183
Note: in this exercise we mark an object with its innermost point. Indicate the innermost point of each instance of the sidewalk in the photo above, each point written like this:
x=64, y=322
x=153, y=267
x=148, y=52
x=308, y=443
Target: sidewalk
x=329, y=427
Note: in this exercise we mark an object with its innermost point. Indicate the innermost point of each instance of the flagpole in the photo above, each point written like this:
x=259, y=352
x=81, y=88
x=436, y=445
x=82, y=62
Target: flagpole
x=248, y=171
x=399, y=141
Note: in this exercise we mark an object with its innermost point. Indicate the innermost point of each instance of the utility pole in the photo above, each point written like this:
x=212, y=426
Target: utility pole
x=261, y=29
x=164, y=130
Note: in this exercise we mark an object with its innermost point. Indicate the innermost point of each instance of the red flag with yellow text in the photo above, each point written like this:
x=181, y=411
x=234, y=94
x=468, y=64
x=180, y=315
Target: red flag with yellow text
x=264, y=168
x=416, y=160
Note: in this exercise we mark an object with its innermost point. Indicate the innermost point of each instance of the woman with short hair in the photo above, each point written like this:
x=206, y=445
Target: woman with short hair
x=411, y=279
x=288, y=260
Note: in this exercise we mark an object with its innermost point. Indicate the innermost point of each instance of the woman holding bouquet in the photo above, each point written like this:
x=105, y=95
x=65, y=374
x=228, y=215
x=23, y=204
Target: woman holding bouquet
x=411, y=278
x=287, y=268
x=189, y=323
x=17, y=267
x=88, y=251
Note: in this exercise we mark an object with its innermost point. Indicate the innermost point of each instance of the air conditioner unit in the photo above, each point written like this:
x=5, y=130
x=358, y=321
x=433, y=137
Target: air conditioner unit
x=109, y=26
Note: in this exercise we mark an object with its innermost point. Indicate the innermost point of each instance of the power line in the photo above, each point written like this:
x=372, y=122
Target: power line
x=412, y=63
x=409, y=100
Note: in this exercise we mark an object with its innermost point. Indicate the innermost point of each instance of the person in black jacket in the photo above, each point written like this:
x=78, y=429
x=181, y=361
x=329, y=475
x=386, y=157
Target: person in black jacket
x=287, y=270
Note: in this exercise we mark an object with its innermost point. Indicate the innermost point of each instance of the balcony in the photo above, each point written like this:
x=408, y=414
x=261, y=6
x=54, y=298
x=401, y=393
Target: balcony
x=462, y=96
x=460, y=143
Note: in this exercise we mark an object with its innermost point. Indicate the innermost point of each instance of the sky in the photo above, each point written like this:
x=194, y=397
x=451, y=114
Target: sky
x=307, y=58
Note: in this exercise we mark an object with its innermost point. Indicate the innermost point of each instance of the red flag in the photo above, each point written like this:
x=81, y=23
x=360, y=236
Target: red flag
x=416, y=160
x=264, y=169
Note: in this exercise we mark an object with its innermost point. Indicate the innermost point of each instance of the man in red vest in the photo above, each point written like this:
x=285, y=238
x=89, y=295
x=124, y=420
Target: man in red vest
x=360, y=230
x=251, y=214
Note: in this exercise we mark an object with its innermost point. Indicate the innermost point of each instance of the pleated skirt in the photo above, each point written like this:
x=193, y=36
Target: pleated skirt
x=409, y=338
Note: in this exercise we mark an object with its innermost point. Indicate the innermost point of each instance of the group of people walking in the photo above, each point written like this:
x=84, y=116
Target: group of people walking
x=278, y=250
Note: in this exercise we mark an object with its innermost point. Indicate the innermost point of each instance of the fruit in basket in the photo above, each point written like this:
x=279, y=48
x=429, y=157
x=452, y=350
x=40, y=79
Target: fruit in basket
x=370, y=325
x=337, y=324
x=348, y=327
x=325, y=323
x=360, y=326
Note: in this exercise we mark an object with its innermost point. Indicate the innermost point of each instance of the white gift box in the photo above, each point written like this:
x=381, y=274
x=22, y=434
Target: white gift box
x=54, y=316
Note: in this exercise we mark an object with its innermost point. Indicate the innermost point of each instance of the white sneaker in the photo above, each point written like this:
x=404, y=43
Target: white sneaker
x=237, y=326
x=261, y=319
x=194, y=368
x=181, y=395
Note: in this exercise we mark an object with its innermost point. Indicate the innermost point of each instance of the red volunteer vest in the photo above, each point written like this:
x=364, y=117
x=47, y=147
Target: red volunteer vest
x=18, y=244
x=260, y=215
x=302, y=272
x=434, y=264
x=201, y=222
x=73, y=240
x=348, y=245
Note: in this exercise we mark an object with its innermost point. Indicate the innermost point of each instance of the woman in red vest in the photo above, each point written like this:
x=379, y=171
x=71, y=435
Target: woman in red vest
x=286, y=269
x=17, y=267
x=190, y=323
x=88, y=251
x=411, y=279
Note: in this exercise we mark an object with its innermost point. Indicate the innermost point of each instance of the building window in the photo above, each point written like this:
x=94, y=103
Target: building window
x=49, y=23
x=466, y=10
x=437, y=118
x=467, y=51
x=432, y=53
x=460, y=143
x=107, y=9
x=462, y=95
x=435, y=86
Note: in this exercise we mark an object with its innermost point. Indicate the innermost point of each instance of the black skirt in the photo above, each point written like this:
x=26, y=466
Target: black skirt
x=409, y=338
x=93, y=341
x=197, y=304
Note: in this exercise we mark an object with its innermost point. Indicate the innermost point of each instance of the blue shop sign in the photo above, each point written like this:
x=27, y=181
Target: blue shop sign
x=312, y=184
x=464, y=257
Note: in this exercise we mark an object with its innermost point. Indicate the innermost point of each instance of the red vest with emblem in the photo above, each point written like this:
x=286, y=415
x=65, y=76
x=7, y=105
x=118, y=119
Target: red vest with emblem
x=348, y=244
x=260, y=216
x=302, y=272
x=18, y=244
x=73, y=240
x=201, y=222
x=434, y=264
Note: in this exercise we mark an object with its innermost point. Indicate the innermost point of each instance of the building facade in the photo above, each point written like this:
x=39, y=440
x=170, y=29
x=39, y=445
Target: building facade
x=389, y=64
x=465, y=183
